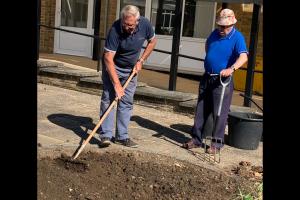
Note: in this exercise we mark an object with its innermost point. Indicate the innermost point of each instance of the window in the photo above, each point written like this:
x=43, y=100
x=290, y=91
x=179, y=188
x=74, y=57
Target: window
x=199, y=18
x=247, y=7
x=74, y=13
x=162, y=16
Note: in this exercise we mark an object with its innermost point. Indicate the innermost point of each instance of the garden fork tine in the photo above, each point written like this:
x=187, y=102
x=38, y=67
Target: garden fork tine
x=213, y=139
x=208, y=141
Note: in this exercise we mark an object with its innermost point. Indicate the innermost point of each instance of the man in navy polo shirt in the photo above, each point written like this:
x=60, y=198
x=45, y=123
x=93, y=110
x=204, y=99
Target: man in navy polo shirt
x=226, y=51
x=121, y=56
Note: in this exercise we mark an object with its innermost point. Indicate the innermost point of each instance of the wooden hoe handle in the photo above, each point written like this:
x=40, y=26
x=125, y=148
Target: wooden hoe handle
x=103, y=117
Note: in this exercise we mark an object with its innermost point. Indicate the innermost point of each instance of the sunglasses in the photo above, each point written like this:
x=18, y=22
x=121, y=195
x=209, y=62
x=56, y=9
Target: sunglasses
x=129, y=25
x=223, y=27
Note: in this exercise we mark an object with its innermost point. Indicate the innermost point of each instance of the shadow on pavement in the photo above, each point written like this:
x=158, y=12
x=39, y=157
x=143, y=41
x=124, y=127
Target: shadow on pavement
x=79, y=125
x=207, y=130
x=161, y=130
x=170, y=135
x=182, y=127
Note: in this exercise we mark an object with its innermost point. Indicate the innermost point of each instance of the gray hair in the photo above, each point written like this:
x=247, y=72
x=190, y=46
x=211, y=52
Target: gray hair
x=130, y=10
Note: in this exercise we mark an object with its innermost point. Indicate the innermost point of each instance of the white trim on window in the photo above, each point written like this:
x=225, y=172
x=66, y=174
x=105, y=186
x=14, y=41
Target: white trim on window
x=56, y=23
x=118, y=9
x=182, y=17
x=148, y=9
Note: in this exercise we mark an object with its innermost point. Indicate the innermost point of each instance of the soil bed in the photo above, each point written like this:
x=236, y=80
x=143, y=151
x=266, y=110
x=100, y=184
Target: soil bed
x=135, y=175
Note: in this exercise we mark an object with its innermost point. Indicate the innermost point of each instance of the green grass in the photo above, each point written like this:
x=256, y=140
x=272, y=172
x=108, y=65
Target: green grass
x=254, y=194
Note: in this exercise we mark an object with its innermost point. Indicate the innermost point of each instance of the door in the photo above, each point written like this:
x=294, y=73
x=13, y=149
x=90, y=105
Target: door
x=74, y=15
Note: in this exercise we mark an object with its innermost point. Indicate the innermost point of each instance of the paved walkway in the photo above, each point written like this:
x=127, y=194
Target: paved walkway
x=65, y=117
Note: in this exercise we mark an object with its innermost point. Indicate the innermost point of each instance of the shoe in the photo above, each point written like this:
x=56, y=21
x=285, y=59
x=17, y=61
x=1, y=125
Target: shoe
x=213, y=150
x=105, y=141
x=127, y=142
x=191, y=144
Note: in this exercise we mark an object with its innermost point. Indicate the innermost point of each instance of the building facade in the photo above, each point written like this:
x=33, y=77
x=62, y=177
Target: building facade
x=198, y=20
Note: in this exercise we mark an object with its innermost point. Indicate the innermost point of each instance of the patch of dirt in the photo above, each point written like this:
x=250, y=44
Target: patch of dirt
x=131, y=175
x=248, y=171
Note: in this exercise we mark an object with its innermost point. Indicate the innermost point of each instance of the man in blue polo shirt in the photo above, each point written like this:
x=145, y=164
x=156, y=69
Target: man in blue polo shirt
x=226, y=51
x=121, y=56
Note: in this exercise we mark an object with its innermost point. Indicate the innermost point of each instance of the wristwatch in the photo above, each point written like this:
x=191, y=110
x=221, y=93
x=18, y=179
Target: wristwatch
x=233, y=68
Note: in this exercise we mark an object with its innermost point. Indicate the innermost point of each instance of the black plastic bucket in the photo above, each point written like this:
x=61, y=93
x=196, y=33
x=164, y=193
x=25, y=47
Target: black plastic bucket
x=244, y=130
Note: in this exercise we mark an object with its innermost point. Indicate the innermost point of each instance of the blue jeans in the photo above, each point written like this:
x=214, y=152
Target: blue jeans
x=124, y=107
x=208, y=102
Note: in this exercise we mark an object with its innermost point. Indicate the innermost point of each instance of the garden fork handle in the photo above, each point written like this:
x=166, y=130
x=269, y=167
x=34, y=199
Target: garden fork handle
x=224, y=84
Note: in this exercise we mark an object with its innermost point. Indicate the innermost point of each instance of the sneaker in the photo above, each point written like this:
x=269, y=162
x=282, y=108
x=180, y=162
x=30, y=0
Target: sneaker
x=192, y=143
x=105, y=141
x=127, y=142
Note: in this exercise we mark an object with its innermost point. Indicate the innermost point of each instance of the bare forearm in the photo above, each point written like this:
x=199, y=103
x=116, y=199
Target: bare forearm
x=110, y=68
x=149, y=48
x=242, y=59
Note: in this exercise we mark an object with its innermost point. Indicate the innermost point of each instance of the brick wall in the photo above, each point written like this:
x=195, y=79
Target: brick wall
x=47, y=18
x=107, y=18
x=110, y=16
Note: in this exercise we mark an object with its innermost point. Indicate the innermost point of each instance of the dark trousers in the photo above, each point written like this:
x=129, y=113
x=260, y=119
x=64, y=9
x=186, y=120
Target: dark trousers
x=208, y=103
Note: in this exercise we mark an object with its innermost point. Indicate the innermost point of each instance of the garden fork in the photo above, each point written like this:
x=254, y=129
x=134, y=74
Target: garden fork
x=212, y=139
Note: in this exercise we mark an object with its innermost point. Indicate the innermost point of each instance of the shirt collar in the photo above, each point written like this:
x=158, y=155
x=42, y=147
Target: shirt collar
x=229, y=34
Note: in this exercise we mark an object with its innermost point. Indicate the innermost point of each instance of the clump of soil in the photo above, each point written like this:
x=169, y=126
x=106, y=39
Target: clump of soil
x=248, y=171
x=72, y=165
x=131, y=175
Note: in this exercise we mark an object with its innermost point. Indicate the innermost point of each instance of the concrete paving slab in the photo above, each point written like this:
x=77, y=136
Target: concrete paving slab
x=58, y=63
x=166, y=96
x=153, y=78
x=97, y=80
x=80, y=79
x=67, y=71
x=69, y=116
x=48, y=63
